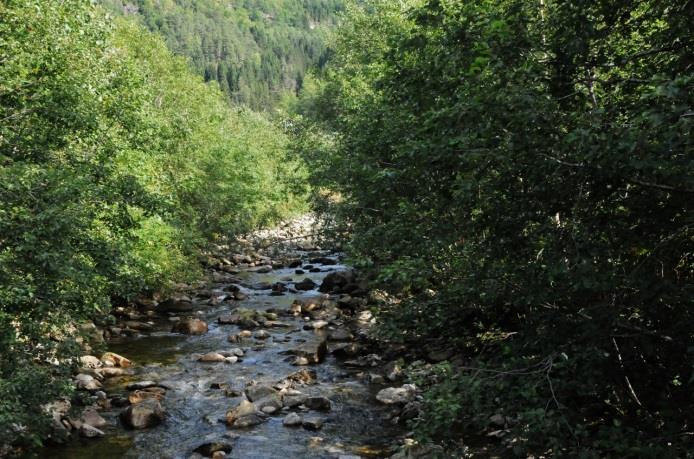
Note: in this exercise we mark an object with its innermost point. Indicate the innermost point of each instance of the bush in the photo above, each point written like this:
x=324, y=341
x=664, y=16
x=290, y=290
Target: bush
x=117, y=165
x=523, y=171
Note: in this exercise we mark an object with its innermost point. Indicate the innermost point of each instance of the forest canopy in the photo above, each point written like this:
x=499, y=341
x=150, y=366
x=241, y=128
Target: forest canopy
x=258, y=51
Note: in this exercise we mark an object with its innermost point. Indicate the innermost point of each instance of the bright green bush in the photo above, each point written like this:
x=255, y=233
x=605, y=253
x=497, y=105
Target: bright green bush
x=117, y=165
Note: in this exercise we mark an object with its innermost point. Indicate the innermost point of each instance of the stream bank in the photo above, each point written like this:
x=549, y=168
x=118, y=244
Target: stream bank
x=267, y=358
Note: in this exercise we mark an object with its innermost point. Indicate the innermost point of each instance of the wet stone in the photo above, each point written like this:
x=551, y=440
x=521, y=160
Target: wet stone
x=292, y=420
x=312, y=423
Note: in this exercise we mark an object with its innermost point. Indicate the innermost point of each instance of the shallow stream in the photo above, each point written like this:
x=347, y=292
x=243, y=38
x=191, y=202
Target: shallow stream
x=195, y=411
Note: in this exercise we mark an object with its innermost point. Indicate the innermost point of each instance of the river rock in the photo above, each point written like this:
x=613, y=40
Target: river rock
x=313, y=351
x=294, y=264
x=93, y=418
x=270, y=404
x=86, y=382
x=209, y=449
x=190, y=327
x=111, y=372
x=262, y=286
x=88, y=431
x=245, y=414
x=334, y=282
x=211, y=357
x=318, y=403
x=175, y=305
x=146, y=414
x=393, y=395
x=250, y=420
x=323, y=261
x=89, y=361
x=258, y=391
x=262, y=334
x=240, y=296
x=306, y=284
x=263, y=269
x=312, y=423
x=294, y=400
x=139, y=326
x=346, y=350
x=292, y=420
x=340, y=334
x=319, y=324
x=139, y=385
x=304, y=376
x=139, y=396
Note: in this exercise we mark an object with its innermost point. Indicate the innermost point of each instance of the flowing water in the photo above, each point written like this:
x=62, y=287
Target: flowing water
x=195, y=411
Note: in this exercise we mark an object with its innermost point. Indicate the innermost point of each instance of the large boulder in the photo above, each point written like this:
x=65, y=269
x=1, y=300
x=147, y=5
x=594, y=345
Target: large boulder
x=143, y=415
x=335, y=282
x=190, y=327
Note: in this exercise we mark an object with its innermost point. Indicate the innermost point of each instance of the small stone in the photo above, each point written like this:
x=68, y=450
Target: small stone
x=190, y=327
x=212, y=357
x=300, y=361
x=319, y=324
x=292, y=420
x=209, y=449
x=93, y=418
x=115, y=360
x=312, y=423
x=262, y=334
x=141, y=385
x=318, y=403
x=258, y=391
x=88, y=431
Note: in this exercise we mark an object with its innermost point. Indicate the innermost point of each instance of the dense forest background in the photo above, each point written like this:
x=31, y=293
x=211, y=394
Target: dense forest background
x=257, y=50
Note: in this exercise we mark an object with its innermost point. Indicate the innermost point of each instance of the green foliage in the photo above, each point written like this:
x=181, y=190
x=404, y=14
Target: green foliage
x=524, y=168
x=116, y=165
x=258, y=51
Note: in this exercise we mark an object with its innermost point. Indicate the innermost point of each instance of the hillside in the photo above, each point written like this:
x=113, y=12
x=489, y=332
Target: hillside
x=258, y=50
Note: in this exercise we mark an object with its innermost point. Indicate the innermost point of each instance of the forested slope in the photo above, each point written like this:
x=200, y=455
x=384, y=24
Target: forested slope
x=117, y=164
x=519, y=174
x=257, y=50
